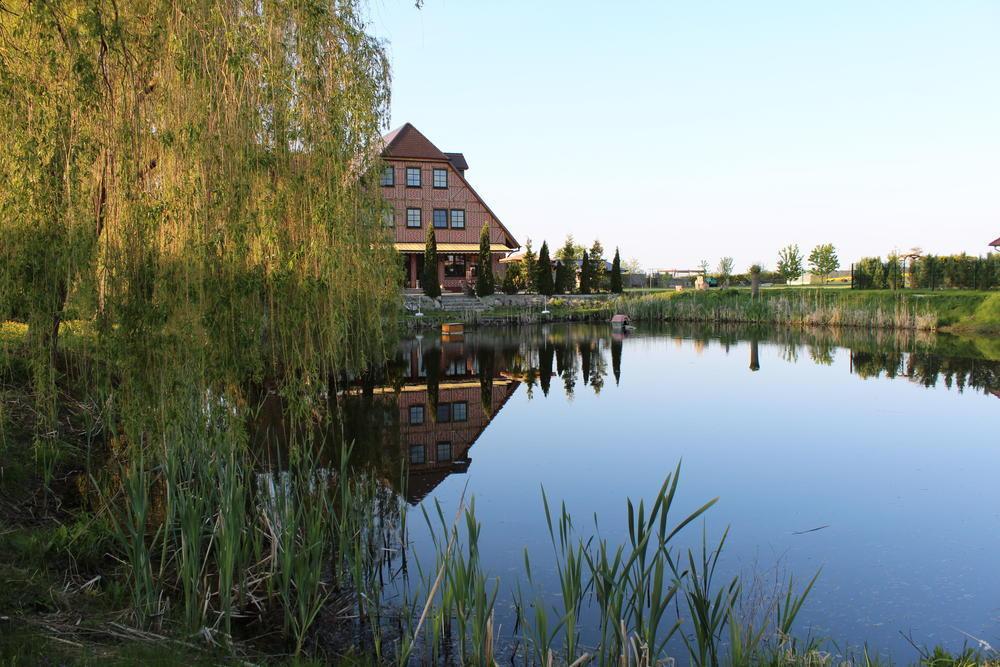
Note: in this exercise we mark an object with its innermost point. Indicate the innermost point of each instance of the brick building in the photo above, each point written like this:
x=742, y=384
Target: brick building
x=427, y=187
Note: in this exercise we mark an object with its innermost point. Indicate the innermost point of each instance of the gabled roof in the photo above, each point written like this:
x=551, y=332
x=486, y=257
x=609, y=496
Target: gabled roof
x=407, y=141
x=996, y=243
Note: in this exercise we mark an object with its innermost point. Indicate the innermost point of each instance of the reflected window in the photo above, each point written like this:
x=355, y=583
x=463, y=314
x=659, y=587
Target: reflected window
x=443, y=452
x=459, y=411
x=418, y=454
x=444, y=412
x=416, y=414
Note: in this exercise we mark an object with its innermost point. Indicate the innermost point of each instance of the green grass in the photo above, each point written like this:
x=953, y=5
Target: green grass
x=965, y=311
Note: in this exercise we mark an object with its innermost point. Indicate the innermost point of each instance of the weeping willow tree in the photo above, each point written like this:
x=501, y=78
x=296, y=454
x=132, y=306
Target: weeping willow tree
x=197, y=180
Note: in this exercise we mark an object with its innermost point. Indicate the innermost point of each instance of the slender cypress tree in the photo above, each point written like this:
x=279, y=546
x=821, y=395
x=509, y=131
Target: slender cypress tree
x=432, y=287
x=585, y=273
x=543, y=280
x=485, y=284
x=616, y=274
x=529, y=271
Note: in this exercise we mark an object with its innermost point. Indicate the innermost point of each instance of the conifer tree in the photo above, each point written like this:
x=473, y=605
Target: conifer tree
x=485, y=283
x=511, y=279
x=616, y=274
x=585, y=274
x=566, y=271
x=432, y=287
x=543, y=275
x=529, y=273
x=598, y=272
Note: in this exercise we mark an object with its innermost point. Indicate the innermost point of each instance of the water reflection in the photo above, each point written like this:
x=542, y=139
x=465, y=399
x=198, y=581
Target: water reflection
x=432, y=402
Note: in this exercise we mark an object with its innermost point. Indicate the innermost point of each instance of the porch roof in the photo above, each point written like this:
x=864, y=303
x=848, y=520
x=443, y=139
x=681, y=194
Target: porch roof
x=472, y=248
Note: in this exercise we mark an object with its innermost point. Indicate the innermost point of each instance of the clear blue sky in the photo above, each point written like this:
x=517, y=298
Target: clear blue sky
x=683, y=131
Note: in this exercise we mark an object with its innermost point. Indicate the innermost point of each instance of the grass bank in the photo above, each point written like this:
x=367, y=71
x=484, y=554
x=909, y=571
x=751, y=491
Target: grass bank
x=960, y=311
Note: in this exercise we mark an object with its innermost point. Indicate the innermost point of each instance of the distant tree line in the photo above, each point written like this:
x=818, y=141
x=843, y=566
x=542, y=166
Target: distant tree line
x=928, y=272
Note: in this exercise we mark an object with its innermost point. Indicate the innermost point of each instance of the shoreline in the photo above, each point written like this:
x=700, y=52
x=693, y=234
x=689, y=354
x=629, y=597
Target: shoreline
x=959, y=312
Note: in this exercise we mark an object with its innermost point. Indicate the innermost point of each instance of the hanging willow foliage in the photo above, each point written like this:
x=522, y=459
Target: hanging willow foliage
x=195, y=179
x=201, y=169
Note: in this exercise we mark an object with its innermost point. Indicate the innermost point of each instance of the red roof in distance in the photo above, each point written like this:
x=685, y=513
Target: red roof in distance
x=407, y=141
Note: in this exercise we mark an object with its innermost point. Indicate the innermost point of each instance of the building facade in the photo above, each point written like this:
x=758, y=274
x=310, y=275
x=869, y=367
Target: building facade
x=426, y=187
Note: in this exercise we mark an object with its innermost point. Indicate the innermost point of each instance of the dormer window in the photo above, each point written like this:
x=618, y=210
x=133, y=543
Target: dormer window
x=413, y=177
x=440, y=178
x=388, y=176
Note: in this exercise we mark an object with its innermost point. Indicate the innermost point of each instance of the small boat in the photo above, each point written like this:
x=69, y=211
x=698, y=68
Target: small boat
x=452, y=328
x=622, y=323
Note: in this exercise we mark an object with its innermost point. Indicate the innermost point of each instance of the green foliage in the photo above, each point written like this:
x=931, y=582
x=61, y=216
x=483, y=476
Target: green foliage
x=616, y=274
x=429, y=281
x=823, y=260
x=565, y=280
x=512, y=279
x=586, y=274
x=598, y=275
x=543, y=281
x=529, y=270
x=200, y=187
x=956, y=271
x=725, y=270
x=485, y=281
x=790, y=263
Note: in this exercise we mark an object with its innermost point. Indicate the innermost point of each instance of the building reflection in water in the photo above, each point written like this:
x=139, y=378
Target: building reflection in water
x=427, y=409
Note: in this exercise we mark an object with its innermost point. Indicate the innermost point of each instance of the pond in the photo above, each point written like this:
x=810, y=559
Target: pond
x=870, y=457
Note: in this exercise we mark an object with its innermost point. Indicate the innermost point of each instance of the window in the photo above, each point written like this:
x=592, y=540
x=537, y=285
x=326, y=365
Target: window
x=441, y=218
x=416, y=414
x=454, y=266
x=389, y=218
x=413, y=217
x=443, y=452
x=458, y=218
x=440, y=178
x=413, y=177
x=444, y=412
x=459, y=412
x=418, y=454
x=389, y=176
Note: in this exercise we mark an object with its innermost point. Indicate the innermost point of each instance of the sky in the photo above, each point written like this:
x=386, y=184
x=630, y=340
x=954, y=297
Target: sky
x=682, y=131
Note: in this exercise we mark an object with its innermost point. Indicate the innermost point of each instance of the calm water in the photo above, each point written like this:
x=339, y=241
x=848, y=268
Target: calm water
x=889, y=444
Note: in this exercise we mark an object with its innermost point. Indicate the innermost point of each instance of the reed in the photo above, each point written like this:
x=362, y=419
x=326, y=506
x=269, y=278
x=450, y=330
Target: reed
x=817, y=307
